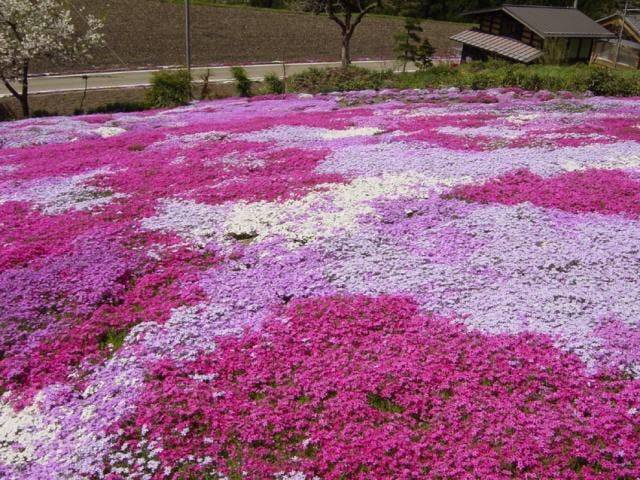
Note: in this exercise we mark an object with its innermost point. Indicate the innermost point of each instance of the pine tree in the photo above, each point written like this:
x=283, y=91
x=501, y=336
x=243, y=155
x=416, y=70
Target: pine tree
x=407, y=42
x=424, y=54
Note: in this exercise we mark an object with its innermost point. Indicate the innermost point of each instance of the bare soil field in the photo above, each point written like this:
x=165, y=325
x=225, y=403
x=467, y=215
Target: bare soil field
x=146, y=33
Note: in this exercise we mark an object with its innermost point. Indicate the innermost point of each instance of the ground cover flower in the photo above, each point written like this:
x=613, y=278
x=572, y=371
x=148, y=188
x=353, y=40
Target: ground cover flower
x=394, y=284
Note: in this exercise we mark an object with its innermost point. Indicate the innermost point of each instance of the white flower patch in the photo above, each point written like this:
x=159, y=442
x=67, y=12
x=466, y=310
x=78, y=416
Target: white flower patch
x=481, y=132
x=191, y=139
x=419, y=112
x=242, y=160
x=556, y=136
x=395, y=157
x=289, y=134
x=20, y=432
x=181, y=337
x=611, y=163
x=320, y=214
x=199, y=223
x=521, y=118
x=294, y=476
x=107, y=132
x=350, y=132
x=324, y=214
x=4, y=169
x=59, y=194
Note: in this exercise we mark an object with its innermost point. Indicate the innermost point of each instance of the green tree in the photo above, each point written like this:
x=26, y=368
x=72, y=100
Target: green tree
x=408, y=41
x=348, y=14
x=424, y=54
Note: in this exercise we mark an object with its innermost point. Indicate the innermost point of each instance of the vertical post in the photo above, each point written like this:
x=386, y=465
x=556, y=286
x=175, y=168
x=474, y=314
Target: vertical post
x=84, y=93
x=621, y=32
x=575, y=4
x=284, y=72
x=187, y=32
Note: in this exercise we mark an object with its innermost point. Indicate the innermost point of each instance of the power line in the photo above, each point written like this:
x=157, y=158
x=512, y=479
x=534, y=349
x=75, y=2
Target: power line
x=86, y=20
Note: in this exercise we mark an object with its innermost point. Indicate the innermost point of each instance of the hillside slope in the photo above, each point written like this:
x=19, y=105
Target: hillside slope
x=145, y=33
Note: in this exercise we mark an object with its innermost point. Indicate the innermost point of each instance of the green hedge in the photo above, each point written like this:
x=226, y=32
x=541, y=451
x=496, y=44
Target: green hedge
x=476, y=75
x=326, y=80
x=480, y=75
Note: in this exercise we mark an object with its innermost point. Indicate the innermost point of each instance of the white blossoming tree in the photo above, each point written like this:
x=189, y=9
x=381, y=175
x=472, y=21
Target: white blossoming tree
x=35, y=30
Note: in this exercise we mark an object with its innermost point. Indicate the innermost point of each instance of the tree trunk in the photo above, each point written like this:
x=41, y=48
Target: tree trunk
x=24, y=96
x=346, y=49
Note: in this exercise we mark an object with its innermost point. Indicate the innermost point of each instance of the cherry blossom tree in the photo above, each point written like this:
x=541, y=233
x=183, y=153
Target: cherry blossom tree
x=348, y=14
x=37, y=30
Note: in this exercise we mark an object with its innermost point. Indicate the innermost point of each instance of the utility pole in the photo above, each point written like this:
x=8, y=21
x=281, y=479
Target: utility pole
x=621, y=32
x=187, y=32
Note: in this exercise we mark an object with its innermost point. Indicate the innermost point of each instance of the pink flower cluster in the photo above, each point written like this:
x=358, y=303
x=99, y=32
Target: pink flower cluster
x=609, y=192
x=357, y=387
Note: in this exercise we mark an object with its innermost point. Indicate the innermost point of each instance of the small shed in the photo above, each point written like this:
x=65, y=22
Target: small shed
x=527, y=34
x=624, y=52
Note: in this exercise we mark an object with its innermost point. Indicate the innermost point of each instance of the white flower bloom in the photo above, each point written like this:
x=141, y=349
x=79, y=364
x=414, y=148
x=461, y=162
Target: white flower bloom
x=20, y=432
x=107, y=132
x=60, y=194
x=319, y=214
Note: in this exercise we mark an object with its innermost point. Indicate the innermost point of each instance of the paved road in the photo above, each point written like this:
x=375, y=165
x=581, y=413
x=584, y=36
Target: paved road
x=137, y=78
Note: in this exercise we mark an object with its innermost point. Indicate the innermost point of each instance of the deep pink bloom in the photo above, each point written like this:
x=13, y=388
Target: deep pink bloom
x=357, y=387
x=609, y=192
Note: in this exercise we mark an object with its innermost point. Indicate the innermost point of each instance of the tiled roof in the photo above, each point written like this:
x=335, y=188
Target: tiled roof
x=504, y=46
x=553, y=21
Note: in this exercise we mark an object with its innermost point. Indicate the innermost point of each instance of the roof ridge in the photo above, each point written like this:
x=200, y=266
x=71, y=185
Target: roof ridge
x=556, y=7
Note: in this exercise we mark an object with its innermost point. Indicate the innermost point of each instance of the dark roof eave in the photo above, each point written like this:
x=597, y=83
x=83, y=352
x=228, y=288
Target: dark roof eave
x=578, y=35
x=481, y=11
x=608, y=17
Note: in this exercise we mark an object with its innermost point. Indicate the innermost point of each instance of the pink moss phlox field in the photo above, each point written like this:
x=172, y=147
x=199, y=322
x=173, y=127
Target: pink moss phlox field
x=355, y=387
x=609, y=192
x=435, y=284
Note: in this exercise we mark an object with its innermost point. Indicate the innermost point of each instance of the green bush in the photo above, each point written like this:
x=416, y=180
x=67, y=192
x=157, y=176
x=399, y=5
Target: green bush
x=116, y=107
x=327, y=80
x=6, y=113
x=243, y=83
x=43, y=113
x=169, y=88
x=273, y=84
x=601, y=81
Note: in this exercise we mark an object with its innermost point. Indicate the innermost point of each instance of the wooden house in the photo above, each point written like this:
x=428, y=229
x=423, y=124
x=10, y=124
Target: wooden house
x=529, y=34
x=624, y=52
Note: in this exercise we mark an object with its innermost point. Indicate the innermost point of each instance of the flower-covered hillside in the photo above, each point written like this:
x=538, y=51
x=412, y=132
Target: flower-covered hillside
x=406, y=285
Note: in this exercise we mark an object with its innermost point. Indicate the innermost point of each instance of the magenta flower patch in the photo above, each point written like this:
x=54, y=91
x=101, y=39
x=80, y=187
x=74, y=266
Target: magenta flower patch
x=354, y=387
x=609, y=192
